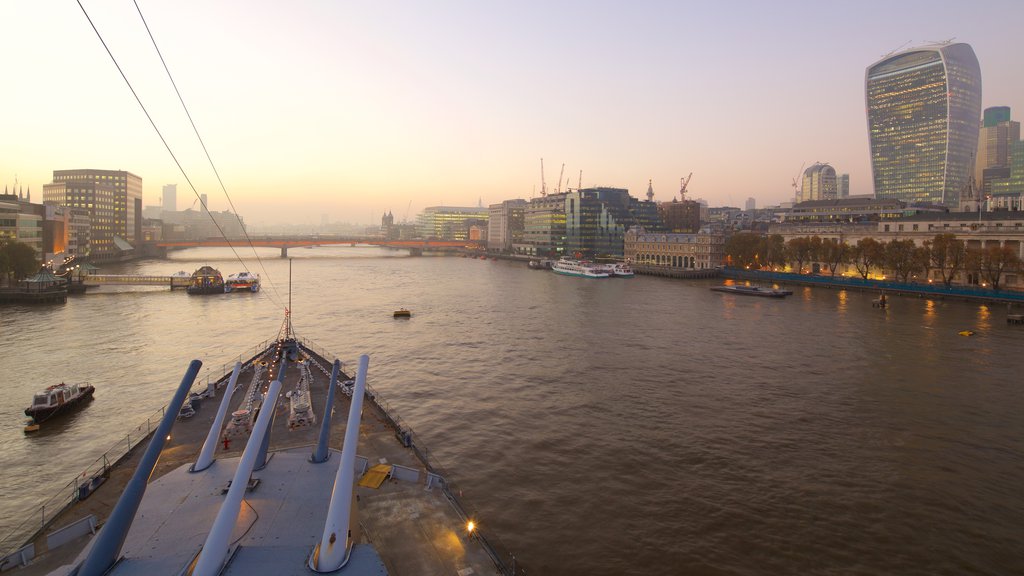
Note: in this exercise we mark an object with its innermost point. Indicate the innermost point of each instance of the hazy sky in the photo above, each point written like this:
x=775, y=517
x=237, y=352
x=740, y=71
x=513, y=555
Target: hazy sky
x=348, y=109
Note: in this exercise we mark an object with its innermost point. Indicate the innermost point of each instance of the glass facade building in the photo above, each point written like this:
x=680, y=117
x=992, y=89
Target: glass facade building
x=113, y=199
x=923, y=112
x=449, y=222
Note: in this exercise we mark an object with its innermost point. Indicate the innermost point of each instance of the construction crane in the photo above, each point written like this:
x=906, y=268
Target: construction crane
x=579, y=185
x=543, y=187
x=796, y=189
x=559, y=189
x=405, y=220
x=683, y=183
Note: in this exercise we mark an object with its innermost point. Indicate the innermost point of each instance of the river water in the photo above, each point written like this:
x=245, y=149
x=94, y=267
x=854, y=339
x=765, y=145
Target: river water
x=644, y=426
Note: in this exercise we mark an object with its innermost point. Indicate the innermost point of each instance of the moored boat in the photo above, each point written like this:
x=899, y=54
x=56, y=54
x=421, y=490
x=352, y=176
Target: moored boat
x=621, y=270
x=242, y=282
x=57, y=399
x=206, y=280
x=753, y=291
x=581, y=268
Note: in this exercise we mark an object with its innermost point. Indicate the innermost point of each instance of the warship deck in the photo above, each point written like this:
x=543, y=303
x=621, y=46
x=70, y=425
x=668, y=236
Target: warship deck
x=414, y=527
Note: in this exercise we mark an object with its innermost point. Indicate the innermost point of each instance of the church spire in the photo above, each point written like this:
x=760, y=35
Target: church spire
x=650, y=191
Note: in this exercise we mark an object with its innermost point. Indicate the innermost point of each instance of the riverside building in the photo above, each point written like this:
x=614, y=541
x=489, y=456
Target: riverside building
x=505, y=225
x=113, y=199
x=923, y=106
x=449, y=222
x=701, y=251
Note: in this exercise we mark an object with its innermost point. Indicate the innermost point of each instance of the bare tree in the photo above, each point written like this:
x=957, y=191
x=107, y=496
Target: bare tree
x=867, y=254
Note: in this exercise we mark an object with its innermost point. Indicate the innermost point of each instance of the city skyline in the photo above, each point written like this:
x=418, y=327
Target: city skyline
x=351, y=111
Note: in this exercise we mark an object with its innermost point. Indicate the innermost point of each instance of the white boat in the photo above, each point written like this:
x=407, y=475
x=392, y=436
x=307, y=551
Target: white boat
x=581, y=268
x=242, y=282
x=621, y=270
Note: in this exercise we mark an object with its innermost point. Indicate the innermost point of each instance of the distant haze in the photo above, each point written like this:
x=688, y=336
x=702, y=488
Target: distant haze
x=352, y=109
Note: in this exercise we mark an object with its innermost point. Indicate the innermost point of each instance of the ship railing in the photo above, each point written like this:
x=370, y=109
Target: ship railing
x=39, y=518
x=80, y=487
x=503, y=558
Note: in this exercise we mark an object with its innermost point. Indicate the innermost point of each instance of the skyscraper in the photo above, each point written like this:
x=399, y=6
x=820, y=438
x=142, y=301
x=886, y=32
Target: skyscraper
x=998, y=133
x=170, y=199
x=843, y=185
x=923, y=106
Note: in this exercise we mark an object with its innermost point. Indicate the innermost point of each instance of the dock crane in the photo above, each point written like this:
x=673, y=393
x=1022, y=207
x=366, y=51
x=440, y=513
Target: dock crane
x=683, y=183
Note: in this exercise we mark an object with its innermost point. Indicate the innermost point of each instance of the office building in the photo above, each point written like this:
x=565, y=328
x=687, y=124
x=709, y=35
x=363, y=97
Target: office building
x=751, y=204
x=701, y=251
x=449, y=222
x=819, y=183
x=113, y=199
x=170, y=198
x=923, y=106
x=997, y=136
x=843, y=185
x=680, y=216
x=505, y=225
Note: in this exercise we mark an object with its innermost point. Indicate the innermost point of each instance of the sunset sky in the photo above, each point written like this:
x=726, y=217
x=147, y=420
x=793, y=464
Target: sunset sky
x=349, y=109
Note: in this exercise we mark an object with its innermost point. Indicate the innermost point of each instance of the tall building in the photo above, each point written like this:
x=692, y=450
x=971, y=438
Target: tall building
x=751, y=204
x=505, y=225
x=680, y=216
x=170, y=198
x=923, y=106
x=1008, y=193
x=113, y=199
x=998, y=133
x=843, y=185
x=819, y=183
x=596, y=220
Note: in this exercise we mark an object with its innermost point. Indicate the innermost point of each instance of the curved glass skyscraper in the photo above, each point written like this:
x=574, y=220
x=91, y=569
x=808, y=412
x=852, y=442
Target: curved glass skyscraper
x=924, y=109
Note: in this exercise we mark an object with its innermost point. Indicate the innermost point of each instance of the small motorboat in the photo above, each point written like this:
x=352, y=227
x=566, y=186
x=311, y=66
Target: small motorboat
x=55, y=400
x=403, y=313
x=966, y=332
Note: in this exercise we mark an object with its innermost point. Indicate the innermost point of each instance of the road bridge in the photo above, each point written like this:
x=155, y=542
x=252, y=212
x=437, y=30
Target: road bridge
x=415, y=247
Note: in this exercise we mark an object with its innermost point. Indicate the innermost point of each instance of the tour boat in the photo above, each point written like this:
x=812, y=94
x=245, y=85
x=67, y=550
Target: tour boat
x=57, y=399
x=206, y=280
x=242, y=282
x=621, y=270
x=403, y=313
x=580, y=268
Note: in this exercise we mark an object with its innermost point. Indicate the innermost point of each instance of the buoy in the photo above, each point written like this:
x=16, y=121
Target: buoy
x=966, y=332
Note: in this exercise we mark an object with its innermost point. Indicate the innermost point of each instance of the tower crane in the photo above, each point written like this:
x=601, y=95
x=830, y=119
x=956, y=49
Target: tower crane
x=560, y=173
x=543, y=187
x=797, y=192
x=683, y=183
x=579, y=185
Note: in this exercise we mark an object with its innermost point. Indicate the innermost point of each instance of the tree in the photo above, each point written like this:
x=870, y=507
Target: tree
x=995, y=260
x=17, y=260
x=867, y=254
x=833, y=253
x=775, y=251
x=923, y=260
x=742, y=250
x=899, y=257
x=948, y=256
x=798, y=250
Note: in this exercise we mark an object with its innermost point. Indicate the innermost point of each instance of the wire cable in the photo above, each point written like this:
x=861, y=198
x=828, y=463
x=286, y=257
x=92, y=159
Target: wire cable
x=158, y=133
x=205, y=151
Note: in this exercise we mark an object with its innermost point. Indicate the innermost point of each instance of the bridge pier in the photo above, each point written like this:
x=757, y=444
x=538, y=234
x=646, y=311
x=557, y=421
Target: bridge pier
x=284, y=251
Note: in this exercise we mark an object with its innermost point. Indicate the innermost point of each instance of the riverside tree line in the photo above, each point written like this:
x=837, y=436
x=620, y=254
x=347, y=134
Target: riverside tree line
x=902, y=259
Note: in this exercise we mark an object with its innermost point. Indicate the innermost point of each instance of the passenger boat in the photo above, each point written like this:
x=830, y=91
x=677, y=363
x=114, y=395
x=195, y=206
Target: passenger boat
x=621, y=270
x=403, y=313
x=275, y=496
x=206, y=280
x=57, y=399
x=242, y=282
x=753, y=291
x=582, y=268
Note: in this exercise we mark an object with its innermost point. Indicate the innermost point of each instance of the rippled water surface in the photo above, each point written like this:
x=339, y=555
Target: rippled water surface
x=644, y=426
